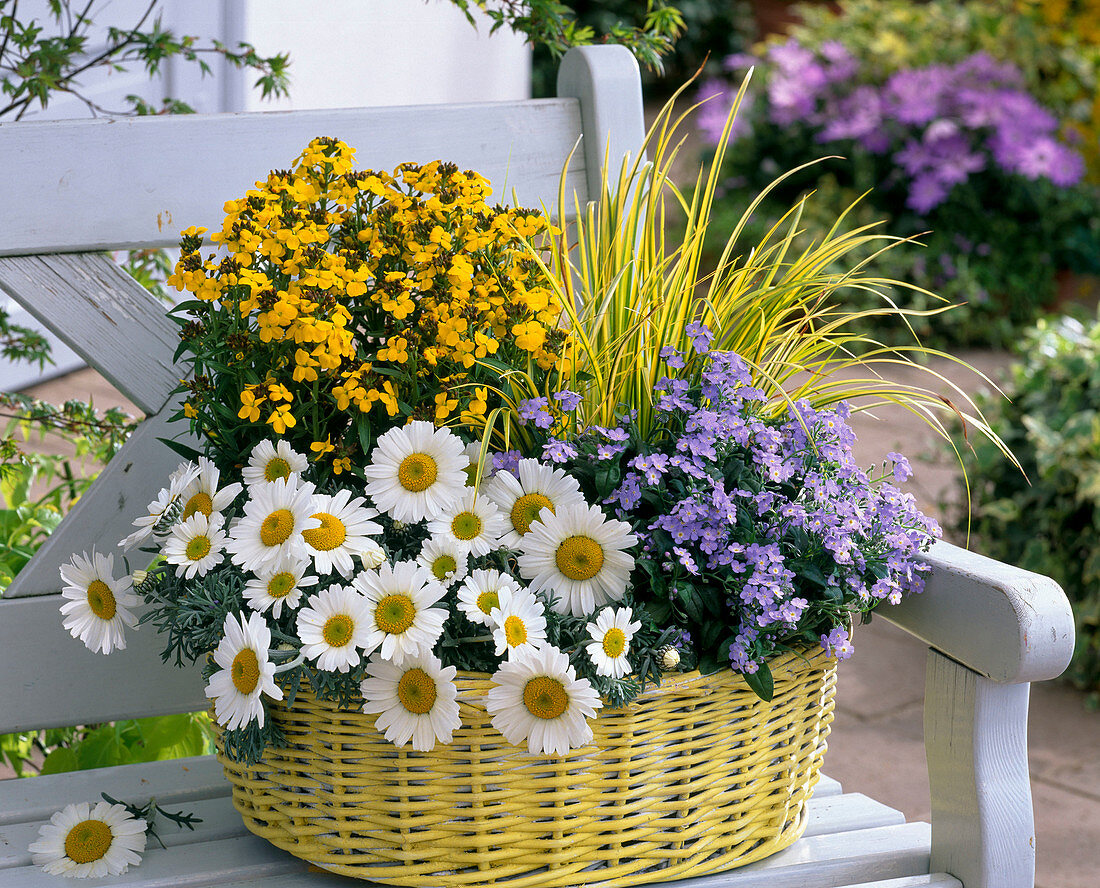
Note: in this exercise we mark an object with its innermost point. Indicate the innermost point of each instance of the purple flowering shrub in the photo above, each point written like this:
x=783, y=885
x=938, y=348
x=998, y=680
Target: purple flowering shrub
x=960, y=150
x=938, y=124
x=758, y=534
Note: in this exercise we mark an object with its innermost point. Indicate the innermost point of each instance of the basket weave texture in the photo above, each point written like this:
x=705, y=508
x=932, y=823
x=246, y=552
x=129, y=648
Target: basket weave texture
x=696, y=776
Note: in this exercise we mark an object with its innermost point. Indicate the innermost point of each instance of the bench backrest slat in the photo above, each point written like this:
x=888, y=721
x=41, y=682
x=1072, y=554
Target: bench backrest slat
x=105, y=316
x=79, y=186
x=121, y=184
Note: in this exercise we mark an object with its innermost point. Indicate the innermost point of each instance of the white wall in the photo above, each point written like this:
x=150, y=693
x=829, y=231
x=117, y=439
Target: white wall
x=385, y=52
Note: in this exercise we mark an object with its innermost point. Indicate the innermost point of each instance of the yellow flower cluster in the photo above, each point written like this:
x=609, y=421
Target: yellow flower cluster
x=345, y=292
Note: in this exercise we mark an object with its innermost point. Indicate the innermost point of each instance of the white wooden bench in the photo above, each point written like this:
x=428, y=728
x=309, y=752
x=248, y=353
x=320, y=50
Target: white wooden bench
x=75, y=188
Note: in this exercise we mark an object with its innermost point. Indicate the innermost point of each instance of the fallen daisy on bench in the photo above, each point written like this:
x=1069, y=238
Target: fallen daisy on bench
x=83, y=841
x=500, y=534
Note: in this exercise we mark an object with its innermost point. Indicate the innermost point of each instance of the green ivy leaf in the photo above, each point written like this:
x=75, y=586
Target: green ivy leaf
x=59, y=761
x=761, y=682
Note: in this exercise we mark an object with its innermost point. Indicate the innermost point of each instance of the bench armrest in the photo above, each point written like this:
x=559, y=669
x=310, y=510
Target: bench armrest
x=1008, y=624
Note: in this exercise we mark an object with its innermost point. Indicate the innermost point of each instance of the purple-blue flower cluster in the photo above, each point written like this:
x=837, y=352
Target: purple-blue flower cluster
x=938, y=124
x=763, y=532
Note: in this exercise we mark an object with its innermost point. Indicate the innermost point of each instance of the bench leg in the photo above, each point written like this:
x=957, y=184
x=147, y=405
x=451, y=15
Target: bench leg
x=975, y=734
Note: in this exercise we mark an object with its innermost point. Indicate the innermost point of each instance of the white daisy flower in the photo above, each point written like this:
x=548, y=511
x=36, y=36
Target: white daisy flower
x=416, y=471
x=373, y=555
x=97, y=606
x=202, y=496
x=474, y=520
x=402, y=621
x=447, y=559
x=577, y=554
x=245, y=674
x=539, y=699
x=415, y=701
x=83, y=841
x=518, y=622
x=167, y=498
x=279, y=585
x=195, y=545
x=611, y=635
x=269, y=462
x=273, y=522
x=521, y=499
x=345, y=531
x=333, y=628
x=481, y=593
x=472, y=452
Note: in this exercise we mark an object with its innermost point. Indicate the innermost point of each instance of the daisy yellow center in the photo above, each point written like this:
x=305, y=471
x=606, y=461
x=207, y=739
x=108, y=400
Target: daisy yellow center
x=245, y=671
x=466, y=526
x=198, y=548
x=486, y=601
x=277, y=527
x=545, y=697
x=526, y=509
x=443, y=566
x=416, y=691
x=329, y=535
x=88, y=841
x=200, y=503
x=280, y=585
x=394, y=614
x=338, y=630
x=417, y=472
x=579, y=557
x=276, y=468
x=101, y=599
x=614, y=642
x=515, y=631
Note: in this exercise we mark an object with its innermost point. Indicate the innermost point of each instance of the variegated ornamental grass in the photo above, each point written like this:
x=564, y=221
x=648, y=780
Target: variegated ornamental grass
x=630, y=288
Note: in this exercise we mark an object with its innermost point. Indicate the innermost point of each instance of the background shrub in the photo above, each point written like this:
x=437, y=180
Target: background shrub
x=953, y=144
x=1052, y=525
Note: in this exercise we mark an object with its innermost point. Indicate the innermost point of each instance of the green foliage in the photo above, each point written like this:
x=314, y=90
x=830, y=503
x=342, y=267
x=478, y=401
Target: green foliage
x=134, y=740
x=552, y=28
x=1048, y=522
x=103, y=746
x=18, y=343
x=712, y=30
x=40, y=58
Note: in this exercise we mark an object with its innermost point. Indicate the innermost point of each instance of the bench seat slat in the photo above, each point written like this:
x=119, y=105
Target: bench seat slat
x=107, y=318
x=849, y=840
x=934, y=880
x=178, y=780
x=832, y=861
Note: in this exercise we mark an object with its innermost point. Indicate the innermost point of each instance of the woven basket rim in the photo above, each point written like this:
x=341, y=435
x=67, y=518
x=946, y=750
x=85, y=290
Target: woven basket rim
x=785, y=668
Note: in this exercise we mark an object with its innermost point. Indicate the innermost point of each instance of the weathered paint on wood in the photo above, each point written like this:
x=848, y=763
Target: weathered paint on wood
x=1008, y=624
x=975, y=734
x=104, y=316
x=107, y=184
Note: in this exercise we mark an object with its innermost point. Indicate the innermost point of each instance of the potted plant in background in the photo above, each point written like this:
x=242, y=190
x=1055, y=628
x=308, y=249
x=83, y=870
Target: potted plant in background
x=516, y=552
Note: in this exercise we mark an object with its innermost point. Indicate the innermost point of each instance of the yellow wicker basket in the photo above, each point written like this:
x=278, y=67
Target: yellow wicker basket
x=694, y=777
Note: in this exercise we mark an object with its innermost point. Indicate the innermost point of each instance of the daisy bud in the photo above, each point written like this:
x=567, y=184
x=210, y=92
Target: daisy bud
x=670, y=657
